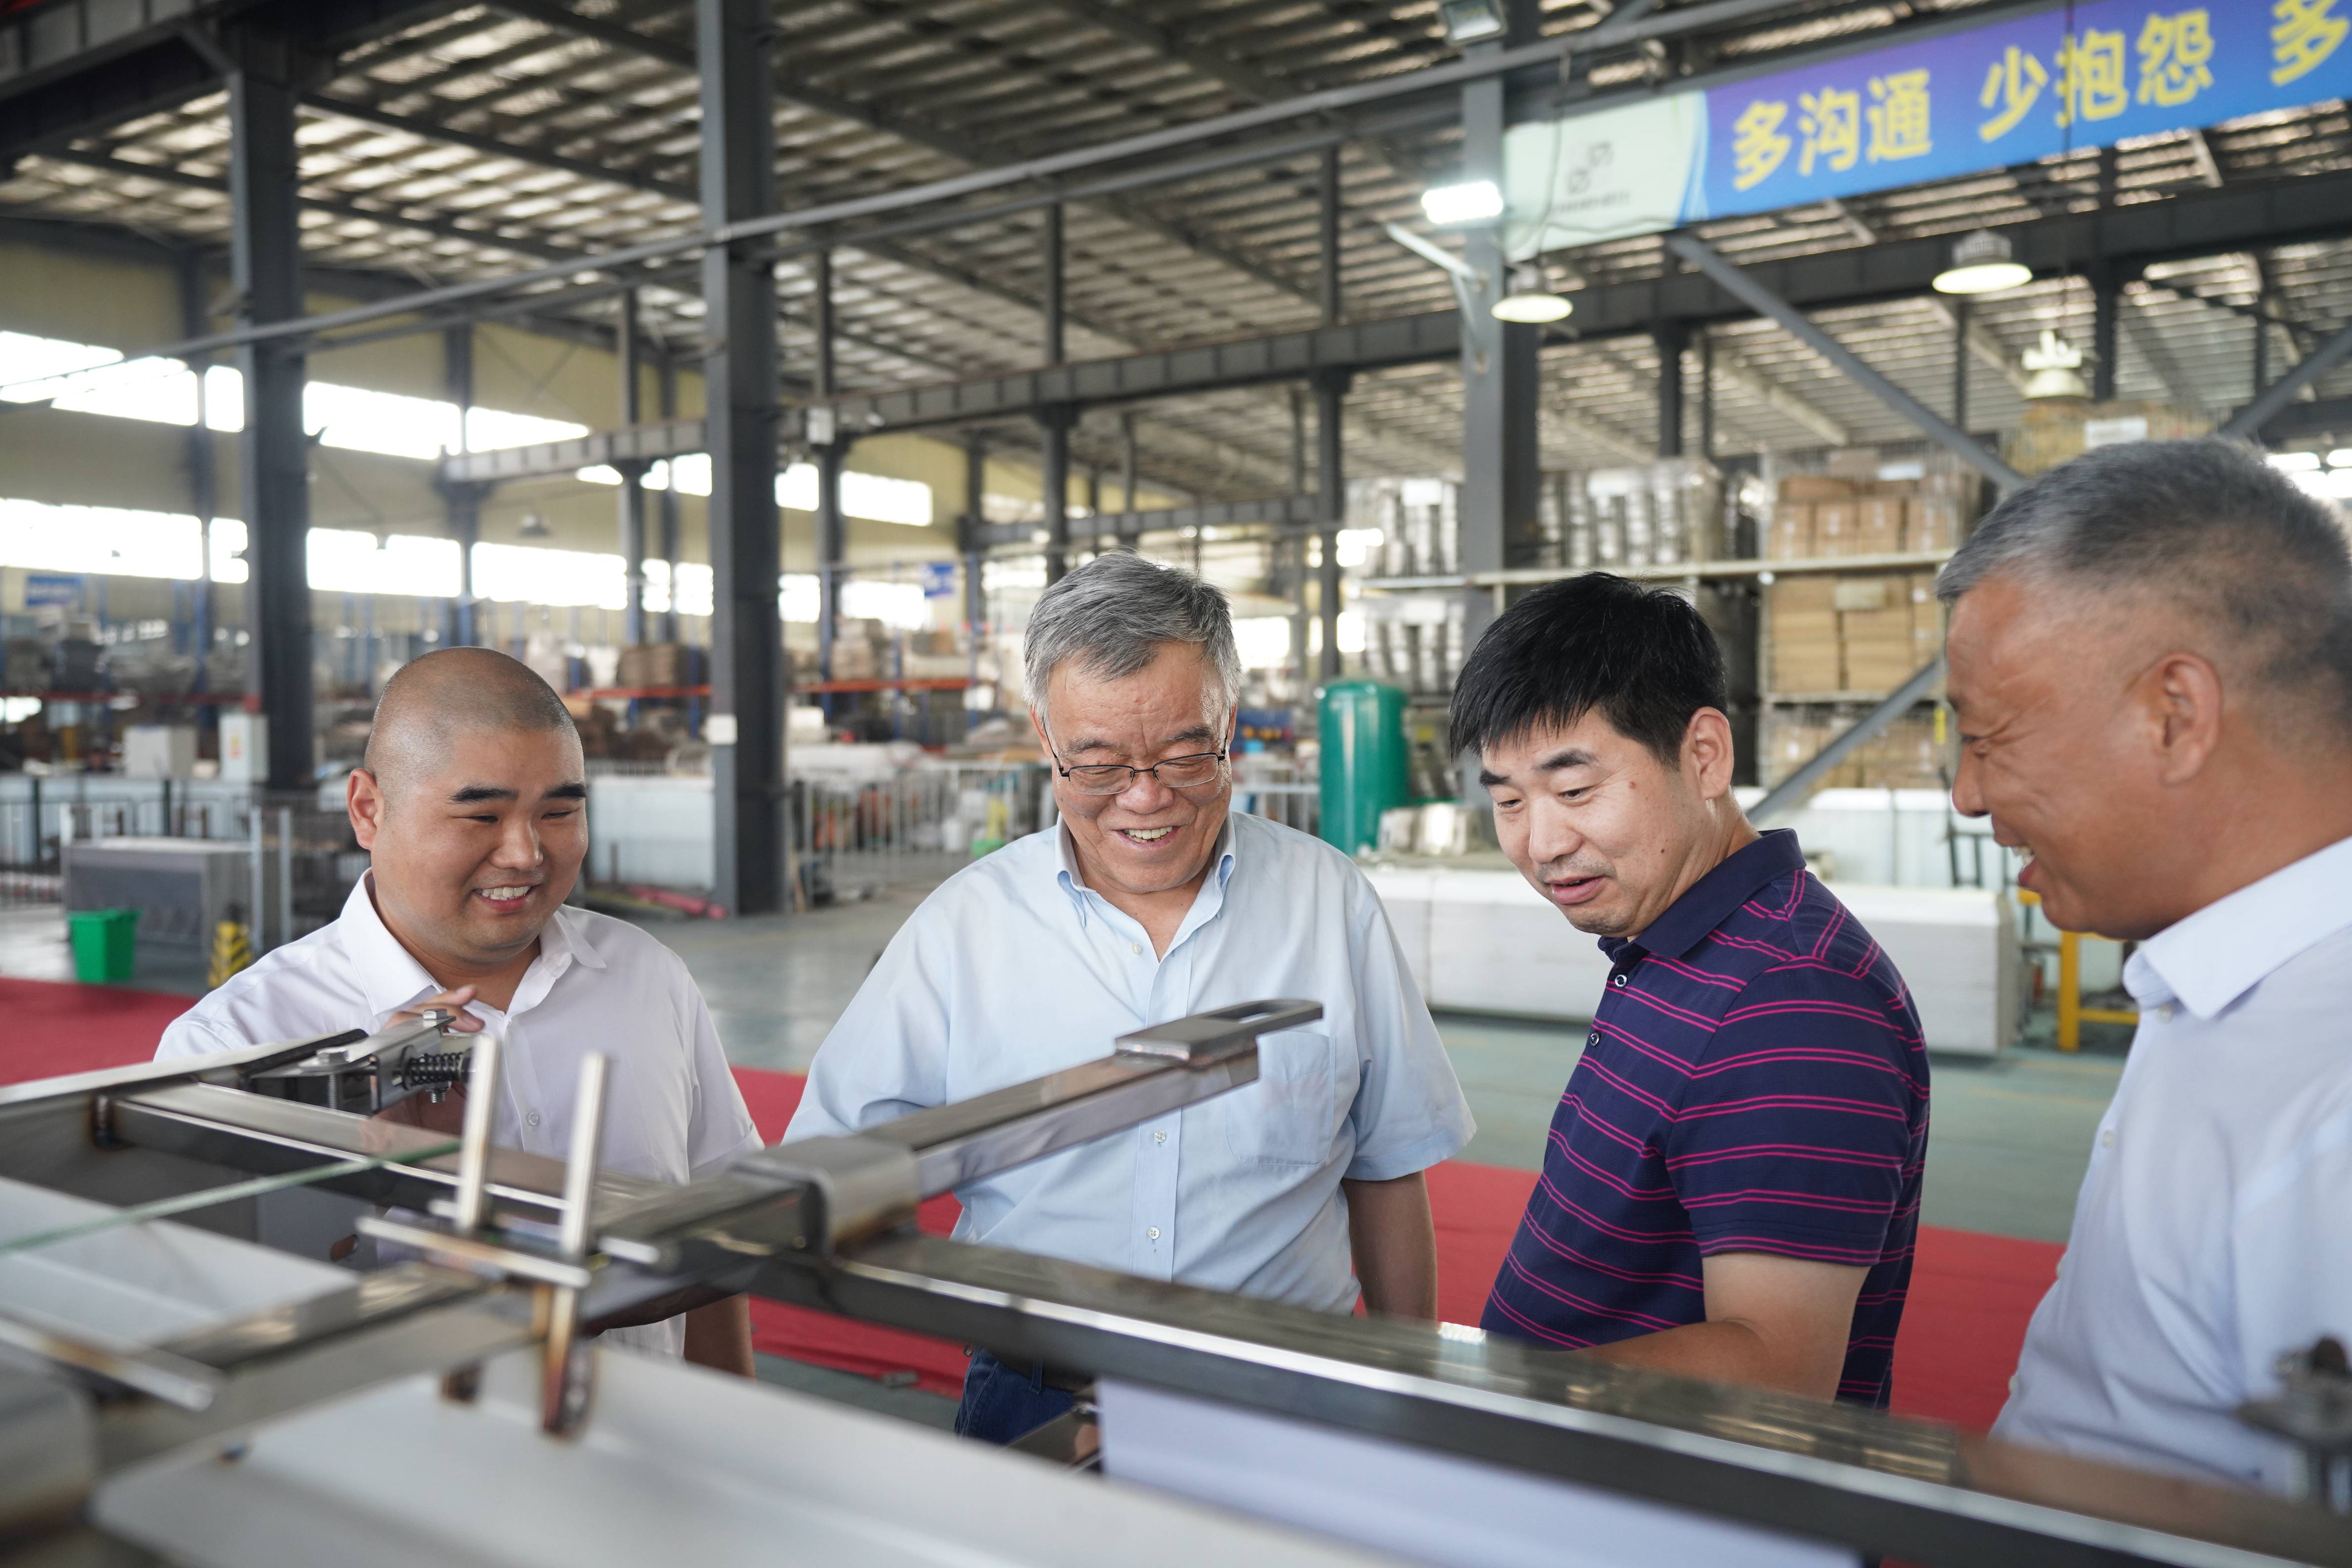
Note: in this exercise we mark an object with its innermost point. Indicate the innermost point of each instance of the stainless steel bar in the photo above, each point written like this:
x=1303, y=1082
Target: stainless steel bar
x=481, y=1115
x=141, y=1368
x=173, y=1069
x=1875, y=1482
x=587, y=1143
x=285, y=876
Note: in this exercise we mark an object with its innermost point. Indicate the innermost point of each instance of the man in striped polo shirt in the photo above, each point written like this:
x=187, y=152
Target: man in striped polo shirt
x=1731, y=1189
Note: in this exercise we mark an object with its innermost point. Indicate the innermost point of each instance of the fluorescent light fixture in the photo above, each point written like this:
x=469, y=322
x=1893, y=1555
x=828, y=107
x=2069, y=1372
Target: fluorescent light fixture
x=1530, y=299
x=1470, y=21
x=2302, y=462
x=1473, y=201
x=2339, y=458
x=1983, y=263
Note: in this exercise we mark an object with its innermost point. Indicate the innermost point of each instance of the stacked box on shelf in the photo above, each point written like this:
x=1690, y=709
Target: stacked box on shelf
x=1804, y=633
x=1874, y=631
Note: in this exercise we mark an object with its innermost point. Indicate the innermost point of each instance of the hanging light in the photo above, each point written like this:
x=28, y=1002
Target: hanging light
x=2057, y=369
x=1531, y=299
x=1473, y=201
x=1983, y=263
x=1470, y=21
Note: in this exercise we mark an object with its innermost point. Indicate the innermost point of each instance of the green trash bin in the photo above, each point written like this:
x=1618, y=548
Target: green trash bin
x=103, y=944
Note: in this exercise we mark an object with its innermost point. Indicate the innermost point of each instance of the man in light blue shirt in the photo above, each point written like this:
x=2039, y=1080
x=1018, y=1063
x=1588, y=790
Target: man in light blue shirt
x=1150, y=900
x=2151, y=664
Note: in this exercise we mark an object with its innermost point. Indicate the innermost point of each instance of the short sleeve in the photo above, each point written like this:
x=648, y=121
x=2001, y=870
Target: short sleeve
x=1802, y=1121
x=722, y=1126
x=193, y=1036
x=886, y=1056
x=1409, y=1113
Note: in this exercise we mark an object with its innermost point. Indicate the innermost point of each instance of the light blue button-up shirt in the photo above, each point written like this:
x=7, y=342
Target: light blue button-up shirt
x=2214, y=1229
x=1014, y=968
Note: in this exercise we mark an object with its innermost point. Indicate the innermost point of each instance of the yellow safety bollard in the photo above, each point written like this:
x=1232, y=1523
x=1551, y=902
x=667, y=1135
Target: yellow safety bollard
x=2071, y=1014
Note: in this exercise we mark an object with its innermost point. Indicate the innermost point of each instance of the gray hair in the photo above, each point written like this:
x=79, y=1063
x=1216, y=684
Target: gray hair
x=2208, y=525
x=1112, y=614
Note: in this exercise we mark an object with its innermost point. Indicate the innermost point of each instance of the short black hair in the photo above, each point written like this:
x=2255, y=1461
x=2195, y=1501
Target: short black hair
x=1641, y=655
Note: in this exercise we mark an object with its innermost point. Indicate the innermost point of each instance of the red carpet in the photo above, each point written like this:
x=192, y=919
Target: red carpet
x=1970, y=1293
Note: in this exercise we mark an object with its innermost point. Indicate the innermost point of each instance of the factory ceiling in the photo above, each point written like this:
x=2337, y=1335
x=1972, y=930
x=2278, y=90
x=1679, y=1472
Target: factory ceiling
x=467, y=142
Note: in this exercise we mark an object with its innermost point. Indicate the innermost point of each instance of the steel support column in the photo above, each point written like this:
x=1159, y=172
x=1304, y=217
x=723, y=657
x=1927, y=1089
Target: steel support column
x=1055, y=283
x=204, y=473
x=973, y=522
x=1671, y=338
x=2106, y=291
x=1331, y=496
x=1054, y=423
x=633, y=479
x=1327, y=289
x=1960, y=363
x=1705, y=396
x=739, y=379
x=1501, y=470
x=832, y=550
x=1762, y=301
x=1129, y=476
x=461, y=499
x=273, y=452
x=832, y=528
x=666, y=502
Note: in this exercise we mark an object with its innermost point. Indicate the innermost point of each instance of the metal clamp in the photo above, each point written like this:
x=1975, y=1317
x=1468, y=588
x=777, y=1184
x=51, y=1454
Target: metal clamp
x=862, y=1185
x=1206, y=1037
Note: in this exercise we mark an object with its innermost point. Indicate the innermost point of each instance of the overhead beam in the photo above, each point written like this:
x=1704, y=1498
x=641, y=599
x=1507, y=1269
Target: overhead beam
x=2259, y=412
x=1282, y=511
x=1986, y=349
x=1794, y=321
x=1736, y=368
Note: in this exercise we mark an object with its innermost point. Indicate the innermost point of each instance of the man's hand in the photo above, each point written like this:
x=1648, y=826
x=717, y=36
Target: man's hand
x=1771, y=1323
x=1395, y=1244
x=451, y=1002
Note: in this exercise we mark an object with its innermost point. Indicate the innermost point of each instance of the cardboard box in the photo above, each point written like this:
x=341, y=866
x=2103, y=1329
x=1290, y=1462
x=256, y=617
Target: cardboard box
x=1931, y=523
x=1805, y=488
x=1805, y=634
x=1790, y=536
x=1834, y=526
x=1878, y=525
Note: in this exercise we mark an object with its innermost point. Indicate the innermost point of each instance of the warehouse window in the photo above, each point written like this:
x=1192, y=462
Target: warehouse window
x=83, y=378
x=876, y=498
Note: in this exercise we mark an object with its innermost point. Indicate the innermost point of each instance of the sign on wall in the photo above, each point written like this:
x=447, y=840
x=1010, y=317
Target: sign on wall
x=2006, y=92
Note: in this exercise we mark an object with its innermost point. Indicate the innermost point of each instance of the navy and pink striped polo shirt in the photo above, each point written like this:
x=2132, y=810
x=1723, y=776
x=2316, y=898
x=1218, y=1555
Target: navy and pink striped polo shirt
x=1754, y=1081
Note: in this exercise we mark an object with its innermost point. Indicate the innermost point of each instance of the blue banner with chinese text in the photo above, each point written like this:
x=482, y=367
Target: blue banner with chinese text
x=2013, y=92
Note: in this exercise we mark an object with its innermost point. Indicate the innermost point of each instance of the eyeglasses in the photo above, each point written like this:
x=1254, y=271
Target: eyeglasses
x=1115, y=778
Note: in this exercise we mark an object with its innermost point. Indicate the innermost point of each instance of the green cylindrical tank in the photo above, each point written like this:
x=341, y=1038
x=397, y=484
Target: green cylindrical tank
x=1364, y=771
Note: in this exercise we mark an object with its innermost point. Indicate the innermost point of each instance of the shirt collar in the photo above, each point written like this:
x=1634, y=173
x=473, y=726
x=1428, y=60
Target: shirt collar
x=2216, y=955
x=1072, y=880
x=391, y=978
x=1708, y=902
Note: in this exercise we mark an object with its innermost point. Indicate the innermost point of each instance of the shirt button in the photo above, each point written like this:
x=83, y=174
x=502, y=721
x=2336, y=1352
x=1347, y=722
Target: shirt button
x=530, y=1119
x=1159, y=1137
x=1153, y=1232
x=1593, y=1038
x=1135, y=947
x=1616, y=980
x=2106, y=1137
x=2013, y=1383
x=2167, y=1010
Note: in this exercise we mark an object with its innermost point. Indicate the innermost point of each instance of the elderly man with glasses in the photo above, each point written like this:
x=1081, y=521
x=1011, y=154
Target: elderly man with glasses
x=1152, y=899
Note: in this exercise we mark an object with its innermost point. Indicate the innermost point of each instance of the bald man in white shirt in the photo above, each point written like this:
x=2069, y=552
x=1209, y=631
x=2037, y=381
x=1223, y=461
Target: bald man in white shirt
x=472, y=804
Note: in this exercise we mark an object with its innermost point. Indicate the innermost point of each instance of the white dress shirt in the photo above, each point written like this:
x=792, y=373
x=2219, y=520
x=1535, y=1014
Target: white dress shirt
x=1014, y=968
x=2214, y=1229
x=672, y=1111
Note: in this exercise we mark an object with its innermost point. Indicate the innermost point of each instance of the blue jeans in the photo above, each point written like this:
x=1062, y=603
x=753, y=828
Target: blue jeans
x=1003, y=1403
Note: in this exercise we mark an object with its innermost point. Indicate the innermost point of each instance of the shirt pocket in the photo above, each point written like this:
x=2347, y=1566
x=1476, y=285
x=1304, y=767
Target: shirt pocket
x=1289, y=1115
